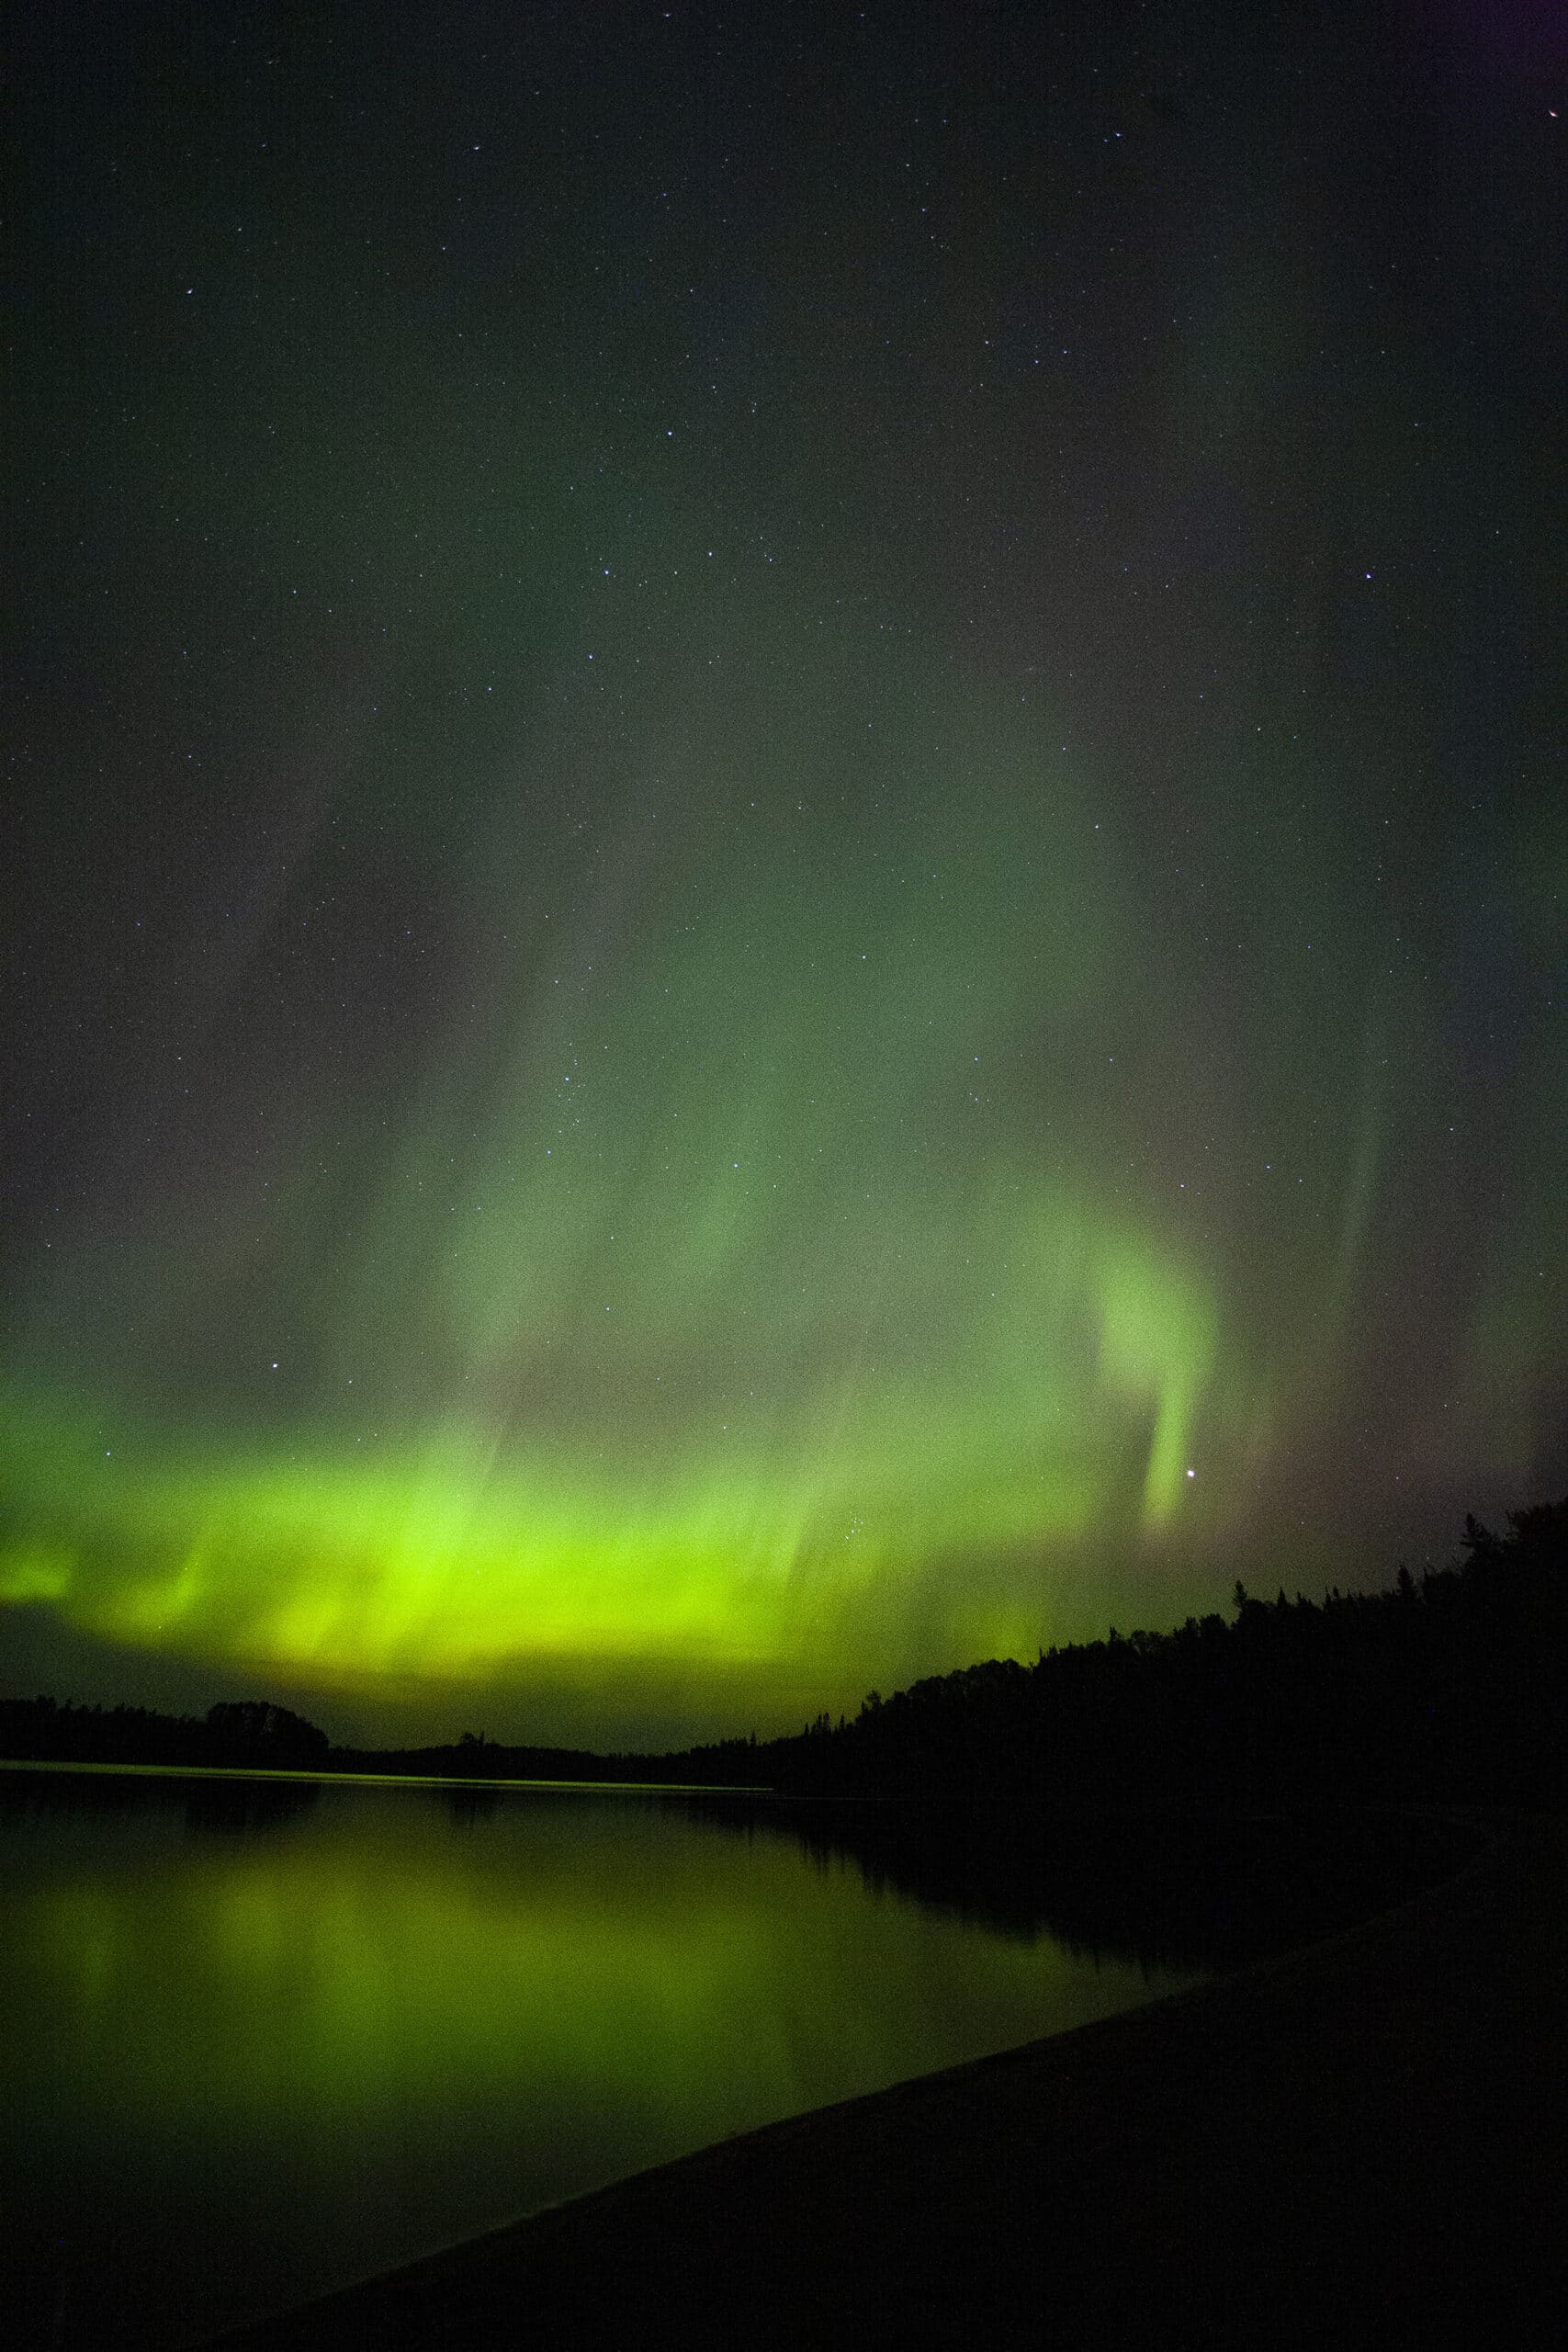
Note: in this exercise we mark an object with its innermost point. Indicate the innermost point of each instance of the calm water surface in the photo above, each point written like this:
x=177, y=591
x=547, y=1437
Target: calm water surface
x=258, y=2039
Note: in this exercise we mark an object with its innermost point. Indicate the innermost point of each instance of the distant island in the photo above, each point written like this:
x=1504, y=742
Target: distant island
x=1447, y=1689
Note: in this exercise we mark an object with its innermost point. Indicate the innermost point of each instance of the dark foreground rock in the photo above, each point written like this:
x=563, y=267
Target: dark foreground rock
x=1362, y=2143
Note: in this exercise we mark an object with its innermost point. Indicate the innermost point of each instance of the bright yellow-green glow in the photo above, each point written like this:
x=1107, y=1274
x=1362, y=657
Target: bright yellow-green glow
x=31, y=1572
x=743, y=962
x=454, y=1556
x=747, y=1305
x=805, y=1254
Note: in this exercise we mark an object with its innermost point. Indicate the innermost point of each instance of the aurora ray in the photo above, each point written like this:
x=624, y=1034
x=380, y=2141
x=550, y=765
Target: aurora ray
x=785, y=909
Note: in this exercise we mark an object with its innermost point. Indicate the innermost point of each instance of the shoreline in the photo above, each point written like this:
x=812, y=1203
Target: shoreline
x=326, y=1779
x=1361, y=2139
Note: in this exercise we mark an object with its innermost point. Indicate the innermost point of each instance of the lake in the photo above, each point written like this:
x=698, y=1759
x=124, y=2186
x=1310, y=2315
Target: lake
x=258, y=2039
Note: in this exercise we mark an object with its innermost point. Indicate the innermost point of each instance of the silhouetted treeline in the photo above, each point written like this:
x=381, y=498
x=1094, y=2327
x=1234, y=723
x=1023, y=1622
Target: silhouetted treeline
x=730, y=1763
x=242, y=1734
x=258, y=1735
x=1449, y=1688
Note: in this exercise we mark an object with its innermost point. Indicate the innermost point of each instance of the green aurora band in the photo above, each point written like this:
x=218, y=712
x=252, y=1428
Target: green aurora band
x=787, y=907
x=751, y=1295
x=674, y=1383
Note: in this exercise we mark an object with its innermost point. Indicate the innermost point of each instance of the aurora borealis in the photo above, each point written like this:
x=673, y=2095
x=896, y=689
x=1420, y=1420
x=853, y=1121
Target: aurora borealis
x=786, y=867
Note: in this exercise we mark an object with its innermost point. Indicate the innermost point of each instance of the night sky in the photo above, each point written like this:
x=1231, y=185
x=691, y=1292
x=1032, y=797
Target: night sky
x=787, y=862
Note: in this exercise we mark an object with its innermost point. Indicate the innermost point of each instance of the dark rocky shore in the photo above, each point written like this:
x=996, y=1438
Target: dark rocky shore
x=1363, y=2143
